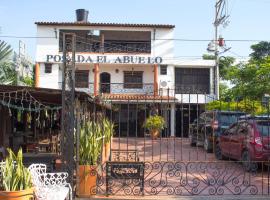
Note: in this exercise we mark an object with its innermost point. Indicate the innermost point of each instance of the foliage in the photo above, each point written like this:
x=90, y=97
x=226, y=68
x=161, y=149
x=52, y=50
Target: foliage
x=7, y=70
x=90, y=143
x=108, y=128
x=91, y=136
x=154, y=122
x=260, y=50
x=5, y=51
x=8, y=75
x=28, y=81
x=251, y=80
x=225, y=64
x=225, y=92
x=15, y=176
x=247, y=106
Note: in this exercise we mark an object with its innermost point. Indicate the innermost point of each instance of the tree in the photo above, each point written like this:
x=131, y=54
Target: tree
x=260, y=50
x=251, y=80
x=225, y=64
x=8, y=75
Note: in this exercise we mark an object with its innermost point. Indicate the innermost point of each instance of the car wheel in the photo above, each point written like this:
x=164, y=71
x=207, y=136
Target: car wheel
x=207, y=145
x=247, y=163
x=218, y=152
x=192, y=141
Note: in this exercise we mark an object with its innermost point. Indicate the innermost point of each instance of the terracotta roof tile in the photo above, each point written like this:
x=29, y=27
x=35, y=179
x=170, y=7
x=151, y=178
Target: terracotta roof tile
x=107, y=24
x=136, y=97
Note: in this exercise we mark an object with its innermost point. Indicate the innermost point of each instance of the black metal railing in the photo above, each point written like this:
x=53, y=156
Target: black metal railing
x=113, y=47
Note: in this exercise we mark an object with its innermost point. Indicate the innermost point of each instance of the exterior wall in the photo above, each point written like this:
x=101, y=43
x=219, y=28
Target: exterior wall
x=50, y=80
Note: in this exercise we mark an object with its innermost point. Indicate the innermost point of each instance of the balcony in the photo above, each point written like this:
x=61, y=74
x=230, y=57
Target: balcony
x=121, y=88
x=110, y=41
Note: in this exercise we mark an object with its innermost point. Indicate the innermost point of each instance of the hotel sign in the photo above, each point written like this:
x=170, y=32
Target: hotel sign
x=108, y=59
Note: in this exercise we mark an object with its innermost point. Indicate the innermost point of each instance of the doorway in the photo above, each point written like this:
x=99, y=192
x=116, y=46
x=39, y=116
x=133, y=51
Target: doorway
x=105, y=82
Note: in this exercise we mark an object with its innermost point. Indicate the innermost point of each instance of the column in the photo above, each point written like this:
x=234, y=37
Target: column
x=37, y=74
x=96, y=79
x=172, y=119
x=155, y=79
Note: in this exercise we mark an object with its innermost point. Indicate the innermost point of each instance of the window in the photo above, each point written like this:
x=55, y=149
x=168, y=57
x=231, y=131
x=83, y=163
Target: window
x=48, y=68
x=81, y=78
x=163, y=69
x=133, y=79
x=192, y=81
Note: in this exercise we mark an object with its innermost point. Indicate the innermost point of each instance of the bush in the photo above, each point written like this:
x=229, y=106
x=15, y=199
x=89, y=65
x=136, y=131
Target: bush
x=247, y=106
x=155, y=122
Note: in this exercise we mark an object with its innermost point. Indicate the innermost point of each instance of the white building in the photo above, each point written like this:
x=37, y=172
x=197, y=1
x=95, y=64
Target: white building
x=123, y=62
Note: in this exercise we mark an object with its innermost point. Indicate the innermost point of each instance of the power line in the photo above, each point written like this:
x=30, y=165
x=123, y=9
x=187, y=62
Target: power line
x=166, y=39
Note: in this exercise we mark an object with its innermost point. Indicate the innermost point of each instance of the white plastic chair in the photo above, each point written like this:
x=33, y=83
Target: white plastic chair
x=49, y=186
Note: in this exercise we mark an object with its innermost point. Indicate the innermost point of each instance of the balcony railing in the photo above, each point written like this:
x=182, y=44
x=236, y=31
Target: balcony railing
x=113, y=47
x=121, y=88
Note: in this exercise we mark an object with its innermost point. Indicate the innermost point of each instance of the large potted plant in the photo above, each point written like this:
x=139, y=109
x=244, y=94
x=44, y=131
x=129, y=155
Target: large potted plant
x=15, y=179
x=89, y=152
x=154, y=124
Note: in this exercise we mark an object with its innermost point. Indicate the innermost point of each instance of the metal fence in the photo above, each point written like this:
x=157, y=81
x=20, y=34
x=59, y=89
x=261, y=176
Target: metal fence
x=206, y=147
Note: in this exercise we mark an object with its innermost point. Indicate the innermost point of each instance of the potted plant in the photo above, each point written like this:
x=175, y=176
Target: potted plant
x=15, y=179
x=89, y=152
x=154, y=124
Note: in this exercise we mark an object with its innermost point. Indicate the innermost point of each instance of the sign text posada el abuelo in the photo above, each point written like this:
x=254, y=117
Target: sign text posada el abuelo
x=108, y=59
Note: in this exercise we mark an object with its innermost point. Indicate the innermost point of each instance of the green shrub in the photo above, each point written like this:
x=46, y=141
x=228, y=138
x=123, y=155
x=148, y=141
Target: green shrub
x=247, y=106
x=155, y=122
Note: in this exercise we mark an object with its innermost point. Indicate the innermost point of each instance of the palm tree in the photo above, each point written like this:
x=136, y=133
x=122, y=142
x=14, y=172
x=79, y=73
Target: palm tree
x=8, y=75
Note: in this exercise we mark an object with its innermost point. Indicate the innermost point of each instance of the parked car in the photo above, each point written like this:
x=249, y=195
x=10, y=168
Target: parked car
x=210, y=125
x=247, y=140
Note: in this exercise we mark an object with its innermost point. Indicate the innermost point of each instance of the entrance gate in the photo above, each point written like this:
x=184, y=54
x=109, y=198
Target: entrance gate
x=173, y=164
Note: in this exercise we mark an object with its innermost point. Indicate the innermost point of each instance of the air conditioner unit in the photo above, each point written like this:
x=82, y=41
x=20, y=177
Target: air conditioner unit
x=163, y=84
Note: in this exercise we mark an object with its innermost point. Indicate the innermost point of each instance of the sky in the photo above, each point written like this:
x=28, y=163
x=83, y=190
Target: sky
x=249, y=20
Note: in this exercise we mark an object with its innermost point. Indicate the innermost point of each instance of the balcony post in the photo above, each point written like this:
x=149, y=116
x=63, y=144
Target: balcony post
x=37, y=74
x=96, y=79
x=155, y=79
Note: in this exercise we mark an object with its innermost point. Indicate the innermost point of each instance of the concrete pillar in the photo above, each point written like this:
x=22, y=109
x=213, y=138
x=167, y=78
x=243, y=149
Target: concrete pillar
x=96, y=79
x=211, y=80
x=37, y=74
x=172, y=119
x=155, y=80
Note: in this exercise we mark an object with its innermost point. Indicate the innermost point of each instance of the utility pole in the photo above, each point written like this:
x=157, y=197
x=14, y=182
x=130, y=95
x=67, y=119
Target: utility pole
x=68, y=105
x=220, y=19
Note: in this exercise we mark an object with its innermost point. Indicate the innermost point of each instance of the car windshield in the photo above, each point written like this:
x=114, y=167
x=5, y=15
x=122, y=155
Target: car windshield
x=264, y=127
x=227, y=119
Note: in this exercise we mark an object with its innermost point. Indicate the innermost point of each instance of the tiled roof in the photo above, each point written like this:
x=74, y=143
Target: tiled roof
x=107, y=24
x=139, y=97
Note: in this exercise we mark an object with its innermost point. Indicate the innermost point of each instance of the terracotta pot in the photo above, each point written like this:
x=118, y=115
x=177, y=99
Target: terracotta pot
x=17, y=195
x=104, y=153
x=154, y=134
x=107, y=150
x=86, y=186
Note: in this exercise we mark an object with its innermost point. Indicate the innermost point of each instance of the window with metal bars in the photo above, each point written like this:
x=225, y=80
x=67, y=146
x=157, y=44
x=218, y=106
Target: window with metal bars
x=192, y=81
x=81, y=78
x=133, y=79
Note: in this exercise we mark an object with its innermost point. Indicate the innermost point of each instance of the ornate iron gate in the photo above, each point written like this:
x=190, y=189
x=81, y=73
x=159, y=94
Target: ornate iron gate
x=173, y=163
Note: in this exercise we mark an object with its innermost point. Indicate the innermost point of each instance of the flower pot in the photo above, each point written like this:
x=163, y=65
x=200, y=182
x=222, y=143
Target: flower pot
x=107, y=150
x=86, y=186
x=17, y=195
x=154, y=134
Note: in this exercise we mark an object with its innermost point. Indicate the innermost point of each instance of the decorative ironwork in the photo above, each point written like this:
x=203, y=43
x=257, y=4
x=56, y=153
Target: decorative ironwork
x=118, y=173
x=178, y=178
x=124, y=155
x=68, y=107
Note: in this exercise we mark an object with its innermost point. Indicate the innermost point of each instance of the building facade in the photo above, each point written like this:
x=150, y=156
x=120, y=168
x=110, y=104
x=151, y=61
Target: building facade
x=127, y=64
